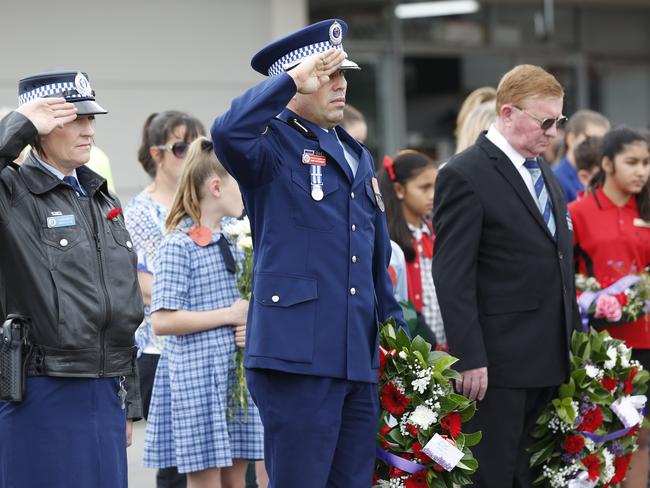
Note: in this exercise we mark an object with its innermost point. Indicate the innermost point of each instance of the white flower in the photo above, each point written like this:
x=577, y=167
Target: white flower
x=592, y=371
x=239, y=227
x=402, y=354
x=245, y=242
x=590, y=445
x=423, y=416
x=420, y=384
x=608, y=470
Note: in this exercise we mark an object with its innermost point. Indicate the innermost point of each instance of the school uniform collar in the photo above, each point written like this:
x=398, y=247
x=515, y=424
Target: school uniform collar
x=606, y=203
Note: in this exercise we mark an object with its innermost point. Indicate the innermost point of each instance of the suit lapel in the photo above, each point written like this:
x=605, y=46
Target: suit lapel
x=504, y=166
x=365, y=163
x=332, y=147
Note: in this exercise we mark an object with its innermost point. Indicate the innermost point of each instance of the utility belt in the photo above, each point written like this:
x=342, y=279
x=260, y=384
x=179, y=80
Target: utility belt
x=20, y=358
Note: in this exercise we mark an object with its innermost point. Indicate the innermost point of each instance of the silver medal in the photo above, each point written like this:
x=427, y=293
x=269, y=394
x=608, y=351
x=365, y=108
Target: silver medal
x=317, y=193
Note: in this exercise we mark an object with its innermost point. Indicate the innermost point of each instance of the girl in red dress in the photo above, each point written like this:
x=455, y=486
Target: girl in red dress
x=611, y=228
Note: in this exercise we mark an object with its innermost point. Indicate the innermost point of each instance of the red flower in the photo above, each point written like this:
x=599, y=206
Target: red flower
x=608, y=383
x=633, y=430
x=573, y=444
x=592, y=463
x=382, y=358
x=627, y=384
x=393, y=400
x=592, y=420
x=113, y=213
x=622, y=299
x=620, y=465
x=394, y=472
x=417, y=480
x=413, y=430
x=417, y=450
x=452, y=424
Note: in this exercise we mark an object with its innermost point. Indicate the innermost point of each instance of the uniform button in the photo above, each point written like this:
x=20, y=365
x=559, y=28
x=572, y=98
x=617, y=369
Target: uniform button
x=417, y=296
x=352, y=195
x=354, y=227
x=560, y=255
x=354, y=259
x=416, y=265
x=63, y=242
x=275, y=299
x=353, y=291
x=129, y=244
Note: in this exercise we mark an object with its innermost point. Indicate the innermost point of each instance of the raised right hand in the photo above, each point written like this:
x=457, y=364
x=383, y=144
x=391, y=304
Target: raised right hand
x=48, y=113
x=239, y=312
x=315, y=70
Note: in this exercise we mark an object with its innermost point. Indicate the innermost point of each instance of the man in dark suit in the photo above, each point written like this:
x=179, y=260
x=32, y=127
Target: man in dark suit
x=503, y=272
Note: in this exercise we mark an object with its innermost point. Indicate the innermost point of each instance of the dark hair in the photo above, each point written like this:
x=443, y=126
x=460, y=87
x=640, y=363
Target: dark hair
x=157, y=129
x=587, y=152
x=612, y=145
x=408, y=164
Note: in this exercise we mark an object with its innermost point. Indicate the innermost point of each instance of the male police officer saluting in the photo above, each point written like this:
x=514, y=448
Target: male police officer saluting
x=321, y=255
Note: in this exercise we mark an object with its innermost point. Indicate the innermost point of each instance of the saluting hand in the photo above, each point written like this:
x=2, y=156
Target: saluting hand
x=48, y=113
x=315, y=70
x=473, y=384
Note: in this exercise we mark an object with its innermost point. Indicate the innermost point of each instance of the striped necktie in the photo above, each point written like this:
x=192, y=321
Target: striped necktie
x=543, y=200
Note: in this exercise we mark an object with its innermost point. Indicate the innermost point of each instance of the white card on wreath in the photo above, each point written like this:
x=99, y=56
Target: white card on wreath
x=391, y=421
x=582, y=481
x=628, y=408
x=444, y=453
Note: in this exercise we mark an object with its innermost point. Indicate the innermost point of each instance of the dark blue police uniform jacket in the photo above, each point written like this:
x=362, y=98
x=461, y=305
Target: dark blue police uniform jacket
x=320, y=283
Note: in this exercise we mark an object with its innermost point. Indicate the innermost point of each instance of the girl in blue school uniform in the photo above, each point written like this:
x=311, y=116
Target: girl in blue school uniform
x=195, y=302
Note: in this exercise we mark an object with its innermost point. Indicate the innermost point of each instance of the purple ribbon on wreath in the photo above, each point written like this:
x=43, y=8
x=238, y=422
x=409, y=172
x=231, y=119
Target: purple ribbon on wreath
x=589, y=297
x=398, y=462
x=617, y=434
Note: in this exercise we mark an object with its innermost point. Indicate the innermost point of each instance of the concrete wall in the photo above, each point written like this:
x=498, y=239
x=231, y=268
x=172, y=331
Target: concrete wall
x=143, y=56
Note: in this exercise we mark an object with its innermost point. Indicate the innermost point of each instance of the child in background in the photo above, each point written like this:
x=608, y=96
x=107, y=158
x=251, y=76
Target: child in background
x=611, y=226
x=587, y=162
x=195, y=301
x=407, y=184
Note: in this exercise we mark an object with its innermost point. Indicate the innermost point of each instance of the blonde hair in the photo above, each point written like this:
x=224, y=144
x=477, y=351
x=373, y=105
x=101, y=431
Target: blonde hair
x=473, y=100
x=477, y=120
x=201, y=163
x=526, y=81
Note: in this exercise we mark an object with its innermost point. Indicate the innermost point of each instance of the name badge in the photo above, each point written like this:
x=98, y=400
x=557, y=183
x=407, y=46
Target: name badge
x=61, y=221
x=641, y=223
x=312, y=157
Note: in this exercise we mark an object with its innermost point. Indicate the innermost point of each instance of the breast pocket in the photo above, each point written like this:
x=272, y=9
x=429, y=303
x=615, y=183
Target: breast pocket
x=283, y=317
x=61, y=243
x=309, y=213
x=370, y=206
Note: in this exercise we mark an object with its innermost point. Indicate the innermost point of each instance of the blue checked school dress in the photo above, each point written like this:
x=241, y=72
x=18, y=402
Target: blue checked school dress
x=188, y=425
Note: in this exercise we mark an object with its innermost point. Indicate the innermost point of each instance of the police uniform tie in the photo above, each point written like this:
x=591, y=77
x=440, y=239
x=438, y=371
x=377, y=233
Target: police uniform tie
x=543, y=200
x=226, y=253
x=72, y=181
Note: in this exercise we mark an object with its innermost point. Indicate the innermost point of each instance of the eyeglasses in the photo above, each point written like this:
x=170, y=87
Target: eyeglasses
x=546, y=124
x=178, y=149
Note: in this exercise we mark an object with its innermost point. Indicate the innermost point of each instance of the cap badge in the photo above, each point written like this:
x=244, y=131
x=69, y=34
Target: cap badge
x=336, y=34
x=82, y=85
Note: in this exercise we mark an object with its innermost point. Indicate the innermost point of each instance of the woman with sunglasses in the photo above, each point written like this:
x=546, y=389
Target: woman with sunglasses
x=165, y=139
x=611, y=230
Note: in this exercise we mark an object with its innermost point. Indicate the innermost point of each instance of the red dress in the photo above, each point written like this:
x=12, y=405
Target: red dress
x=612, y=242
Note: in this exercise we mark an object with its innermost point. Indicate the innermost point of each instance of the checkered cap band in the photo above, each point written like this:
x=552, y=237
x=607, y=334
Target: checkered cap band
x=52, y=89
x=291, y=58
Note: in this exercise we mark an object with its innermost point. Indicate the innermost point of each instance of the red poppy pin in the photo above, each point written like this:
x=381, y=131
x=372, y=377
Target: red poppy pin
x=113, y=213
x=201, y=235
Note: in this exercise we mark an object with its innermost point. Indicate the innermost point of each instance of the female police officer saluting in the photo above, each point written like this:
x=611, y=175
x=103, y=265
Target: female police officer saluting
x=67, y=264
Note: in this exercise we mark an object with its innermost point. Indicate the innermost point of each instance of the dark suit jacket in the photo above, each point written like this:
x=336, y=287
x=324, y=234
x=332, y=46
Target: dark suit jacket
x=505, y=286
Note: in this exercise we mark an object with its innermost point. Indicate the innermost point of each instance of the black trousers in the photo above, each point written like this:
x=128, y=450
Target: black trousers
x=147, y=363
x=506, y=416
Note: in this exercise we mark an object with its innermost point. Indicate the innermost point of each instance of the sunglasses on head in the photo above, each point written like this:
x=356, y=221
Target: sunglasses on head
x=546, y=124
x=178, y=149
